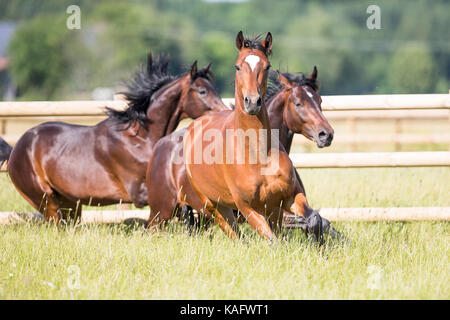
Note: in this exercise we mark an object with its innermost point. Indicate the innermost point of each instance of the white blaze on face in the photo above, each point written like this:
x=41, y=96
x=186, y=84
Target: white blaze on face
x=252, y=60
x=309, y=93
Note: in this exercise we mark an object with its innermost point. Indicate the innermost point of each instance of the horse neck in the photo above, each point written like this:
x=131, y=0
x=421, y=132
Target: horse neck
x=275, y=109
x=244, y=121
x=165, y=111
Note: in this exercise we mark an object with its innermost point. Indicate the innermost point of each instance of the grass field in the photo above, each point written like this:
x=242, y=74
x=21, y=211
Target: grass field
x=381, y=260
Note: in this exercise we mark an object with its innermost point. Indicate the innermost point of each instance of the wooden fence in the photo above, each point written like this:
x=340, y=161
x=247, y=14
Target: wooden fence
x=332, y=214
x=330, y=103
x=348, y=108
x=371, y=159
x=336, y=108
x=351, y=108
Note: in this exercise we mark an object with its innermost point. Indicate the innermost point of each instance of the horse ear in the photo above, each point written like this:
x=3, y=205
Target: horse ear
x=207, y=67
x=267, y=43
x=194, y=70
x=313, y=75
x=284, y=81
x=239, y=40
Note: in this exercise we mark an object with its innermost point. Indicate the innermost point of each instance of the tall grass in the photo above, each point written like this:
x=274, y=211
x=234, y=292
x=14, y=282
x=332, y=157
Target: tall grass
x=381, y=260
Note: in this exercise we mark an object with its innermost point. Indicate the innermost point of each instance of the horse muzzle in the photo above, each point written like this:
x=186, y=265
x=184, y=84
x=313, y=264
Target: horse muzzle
x=324, y=139
x=252, y=105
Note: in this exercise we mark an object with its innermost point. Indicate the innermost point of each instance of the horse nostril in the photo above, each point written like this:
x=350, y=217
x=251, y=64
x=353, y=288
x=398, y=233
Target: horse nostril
x=246, y=100
x=258, y=103
x=330, y=137
x=323, y=135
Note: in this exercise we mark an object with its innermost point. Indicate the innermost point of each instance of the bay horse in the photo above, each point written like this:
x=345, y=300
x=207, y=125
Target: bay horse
x=292, y=108
x=58, y=167
x=265, y=189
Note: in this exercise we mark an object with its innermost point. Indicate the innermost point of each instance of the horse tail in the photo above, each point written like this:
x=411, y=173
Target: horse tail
x=5, y=152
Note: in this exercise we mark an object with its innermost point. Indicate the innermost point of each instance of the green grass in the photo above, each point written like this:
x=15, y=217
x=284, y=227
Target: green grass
x=375, y=187
x=382, y=260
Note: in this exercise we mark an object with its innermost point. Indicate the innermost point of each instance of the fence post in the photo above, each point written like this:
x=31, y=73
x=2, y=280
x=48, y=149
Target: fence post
x=351, y=123
x=3, y=127
x=398, y=131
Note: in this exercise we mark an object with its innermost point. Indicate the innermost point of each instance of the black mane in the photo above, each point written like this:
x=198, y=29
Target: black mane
x=255, y=43
x=148, y=80
x=274, y=84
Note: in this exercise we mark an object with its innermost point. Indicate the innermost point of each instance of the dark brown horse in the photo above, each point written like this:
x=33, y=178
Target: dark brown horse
x=263, y=190
x=292, y=107
x=58, y=167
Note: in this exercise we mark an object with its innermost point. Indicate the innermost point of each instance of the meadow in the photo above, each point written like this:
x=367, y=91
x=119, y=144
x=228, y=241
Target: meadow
x=377, y=260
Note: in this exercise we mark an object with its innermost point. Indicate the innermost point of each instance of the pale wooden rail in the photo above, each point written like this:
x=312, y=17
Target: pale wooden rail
x=330, y=103
x=367, y=159
x=402, y=138
x=371, y=159
x=332, y=214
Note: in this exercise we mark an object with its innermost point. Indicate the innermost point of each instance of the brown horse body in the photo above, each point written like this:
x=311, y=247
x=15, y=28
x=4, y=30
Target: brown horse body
x=58, y=166
x=290, y=109
x=241, y=185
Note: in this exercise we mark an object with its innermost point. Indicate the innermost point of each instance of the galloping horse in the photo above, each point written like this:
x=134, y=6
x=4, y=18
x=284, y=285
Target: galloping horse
x=292, y=108
x=57, y=166
x=260, y=190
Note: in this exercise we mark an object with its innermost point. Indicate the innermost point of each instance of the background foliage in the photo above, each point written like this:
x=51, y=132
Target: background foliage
x=410, y=54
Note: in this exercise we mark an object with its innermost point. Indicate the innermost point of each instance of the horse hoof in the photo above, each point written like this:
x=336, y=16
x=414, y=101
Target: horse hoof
x=314, y=222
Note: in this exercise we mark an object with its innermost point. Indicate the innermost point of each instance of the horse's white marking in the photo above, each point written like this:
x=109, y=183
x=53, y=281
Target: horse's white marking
x=252, y=60
x=309, y=94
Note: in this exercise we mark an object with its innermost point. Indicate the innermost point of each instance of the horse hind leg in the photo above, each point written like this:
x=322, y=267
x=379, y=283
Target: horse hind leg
x=69, y=211
x=40, y=196
x=160, y=212
x=50, y=204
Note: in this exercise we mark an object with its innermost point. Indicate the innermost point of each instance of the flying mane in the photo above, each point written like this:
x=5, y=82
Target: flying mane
x=146, y=82
x=274, y=84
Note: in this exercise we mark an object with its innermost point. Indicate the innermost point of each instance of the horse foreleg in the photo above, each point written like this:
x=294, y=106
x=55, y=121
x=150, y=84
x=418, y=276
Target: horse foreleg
x=256, y=221
x=223, y=217
x=228, y=215
x=225, y=221
x=301, y=208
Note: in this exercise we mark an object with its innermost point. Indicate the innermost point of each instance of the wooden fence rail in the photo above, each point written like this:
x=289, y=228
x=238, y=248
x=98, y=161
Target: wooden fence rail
x=332, y=214
x=418, y=106
x=371, y=159
x=330, y=103
x=367, y=159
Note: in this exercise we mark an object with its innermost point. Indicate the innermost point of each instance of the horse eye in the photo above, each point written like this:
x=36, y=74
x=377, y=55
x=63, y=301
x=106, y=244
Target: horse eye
x=202, y=92
x=299, y=105
x=268, y=67
x=237, y=67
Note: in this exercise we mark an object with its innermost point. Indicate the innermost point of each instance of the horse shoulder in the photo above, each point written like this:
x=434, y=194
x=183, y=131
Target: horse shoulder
x=279, y=176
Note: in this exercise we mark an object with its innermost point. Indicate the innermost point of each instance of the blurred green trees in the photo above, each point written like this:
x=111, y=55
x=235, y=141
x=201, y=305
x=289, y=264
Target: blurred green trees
x=412, y=69
x=39, y=59
x=410, y=54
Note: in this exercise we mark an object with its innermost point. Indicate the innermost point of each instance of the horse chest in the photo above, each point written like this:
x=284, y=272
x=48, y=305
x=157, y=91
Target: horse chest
x=261, y=190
